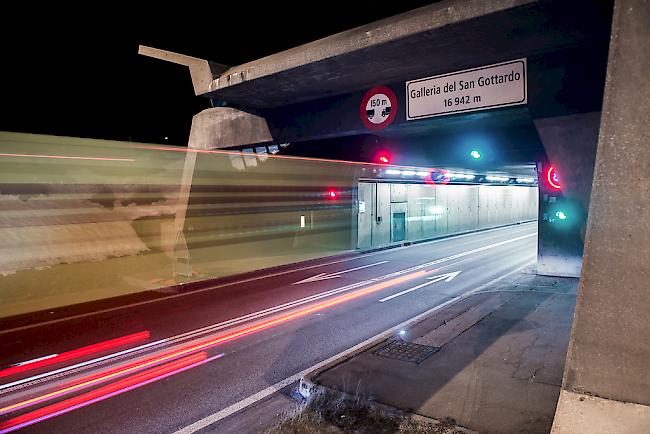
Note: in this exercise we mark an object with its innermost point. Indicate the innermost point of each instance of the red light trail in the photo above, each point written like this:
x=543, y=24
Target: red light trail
x=300, y=313
x=73, y=354
x=188, y=353
x=68, y=157
x=93, y=380
x=105, y=392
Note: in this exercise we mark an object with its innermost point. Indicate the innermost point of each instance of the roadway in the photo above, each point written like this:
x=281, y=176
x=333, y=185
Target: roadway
x=205, y=354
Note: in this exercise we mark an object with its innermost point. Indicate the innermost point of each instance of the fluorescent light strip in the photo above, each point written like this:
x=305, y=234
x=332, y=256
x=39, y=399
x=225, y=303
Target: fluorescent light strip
x=496, y=178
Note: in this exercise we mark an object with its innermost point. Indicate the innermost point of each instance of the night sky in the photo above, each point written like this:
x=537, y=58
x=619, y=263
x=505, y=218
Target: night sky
x=75, y=71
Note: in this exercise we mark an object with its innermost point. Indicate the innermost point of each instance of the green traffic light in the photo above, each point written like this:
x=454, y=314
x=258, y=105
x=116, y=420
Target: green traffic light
x=561, y=215
x=475, y=154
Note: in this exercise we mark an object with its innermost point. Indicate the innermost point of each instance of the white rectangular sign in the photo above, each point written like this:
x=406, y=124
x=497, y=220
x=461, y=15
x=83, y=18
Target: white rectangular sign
x=487, y=87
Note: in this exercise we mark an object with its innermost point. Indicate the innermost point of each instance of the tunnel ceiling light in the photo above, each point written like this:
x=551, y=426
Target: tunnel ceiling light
x=408, y=172
x=494, y=178
x=393, y=172
x=526, y=180
x=467, y=176
x=422, y=173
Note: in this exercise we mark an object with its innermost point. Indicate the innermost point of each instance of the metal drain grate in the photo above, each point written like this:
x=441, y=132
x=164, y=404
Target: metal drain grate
x=406, y=351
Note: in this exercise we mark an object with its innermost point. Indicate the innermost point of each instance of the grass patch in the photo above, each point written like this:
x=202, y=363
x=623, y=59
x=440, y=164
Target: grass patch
x=327, y=412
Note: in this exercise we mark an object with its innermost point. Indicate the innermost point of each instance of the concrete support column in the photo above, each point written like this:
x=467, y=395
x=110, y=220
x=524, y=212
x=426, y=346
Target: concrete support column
x=570, y=144
x=606, y=385
x=213, y=128
x=225, y=127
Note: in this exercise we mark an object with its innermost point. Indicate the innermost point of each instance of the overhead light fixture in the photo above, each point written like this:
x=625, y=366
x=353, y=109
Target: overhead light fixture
x=467, y=176
x=494, y=178
x=393, y=172
x=408, y=172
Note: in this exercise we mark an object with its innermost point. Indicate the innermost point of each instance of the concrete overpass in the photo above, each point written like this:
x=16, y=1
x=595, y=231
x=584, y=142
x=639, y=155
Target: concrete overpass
x=585, y=103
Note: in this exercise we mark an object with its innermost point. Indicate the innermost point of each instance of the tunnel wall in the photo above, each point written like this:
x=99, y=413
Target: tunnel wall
x=437, y=210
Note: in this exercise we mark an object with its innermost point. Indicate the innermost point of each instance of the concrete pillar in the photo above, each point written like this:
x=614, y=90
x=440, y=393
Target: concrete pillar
x=213, y=128
x=606, y=385
x=570, y=144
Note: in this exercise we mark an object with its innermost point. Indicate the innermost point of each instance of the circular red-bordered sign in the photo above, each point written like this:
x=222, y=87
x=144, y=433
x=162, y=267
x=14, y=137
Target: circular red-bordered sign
x=378, y=108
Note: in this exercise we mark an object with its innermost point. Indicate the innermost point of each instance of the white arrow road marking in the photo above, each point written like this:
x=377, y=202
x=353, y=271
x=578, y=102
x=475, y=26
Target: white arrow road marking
x=262, y=394
x=433, y=279
x=325, y=276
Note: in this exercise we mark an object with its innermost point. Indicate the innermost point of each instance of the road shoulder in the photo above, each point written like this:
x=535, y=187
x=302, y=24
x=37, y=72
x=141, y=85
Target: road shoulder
x=492, y=361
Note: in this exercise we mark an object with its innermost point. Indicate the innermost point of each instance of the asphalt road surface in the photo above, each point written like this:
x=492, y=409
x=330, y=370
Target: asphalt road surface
x=189, y=360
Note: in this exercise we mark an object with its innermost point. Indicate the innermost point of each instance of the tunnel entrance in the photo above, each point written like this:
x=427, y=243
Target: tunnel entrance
x=534, y=100
x=390, y=211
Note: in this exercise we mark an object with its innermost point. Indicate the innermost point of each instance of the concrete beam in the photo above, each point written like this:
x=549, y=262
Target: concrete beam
x=202, y=71
x=442, y=37
x=610, y=341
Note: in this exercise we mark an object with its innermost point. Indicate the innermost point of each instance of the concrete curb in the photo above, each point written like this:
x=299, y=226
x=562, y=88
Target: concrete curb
x=308, y=385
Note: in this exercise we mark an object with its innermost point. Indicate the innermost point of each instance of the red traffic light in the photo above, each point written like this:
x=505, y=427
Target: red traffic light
x=332, y=194
x=552, y=178
x=383, y=157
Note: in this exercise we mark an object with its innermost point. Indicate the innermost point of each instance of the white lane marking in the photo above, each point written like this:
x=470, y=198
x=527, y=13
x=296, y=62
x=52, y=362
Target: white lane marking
x=259, y=314
x=76, y=366
x=35, y=360
x=459, y=255
x=325, y=276
x=185, y=336
x=238, y=282
x=252, y=399
x=446, y=277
